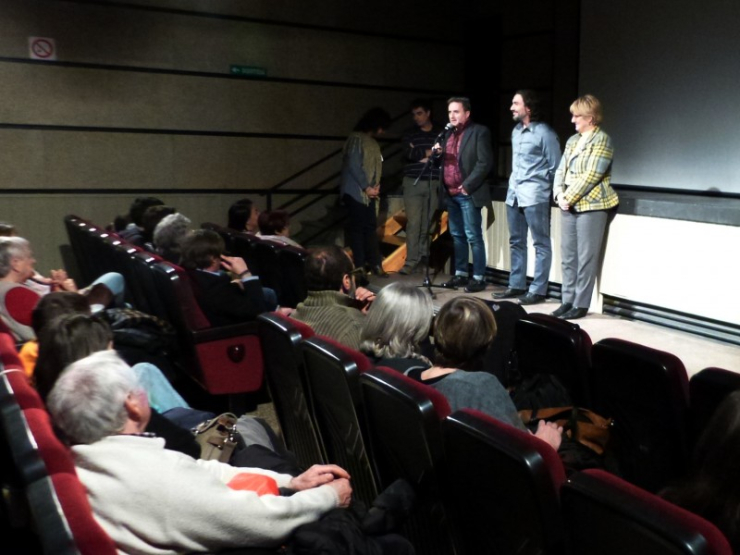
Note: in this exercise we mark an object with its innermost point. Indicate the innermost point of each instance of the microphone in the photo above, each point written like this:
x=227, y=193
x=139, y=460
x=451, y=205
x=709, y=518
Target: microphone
x=450, y=127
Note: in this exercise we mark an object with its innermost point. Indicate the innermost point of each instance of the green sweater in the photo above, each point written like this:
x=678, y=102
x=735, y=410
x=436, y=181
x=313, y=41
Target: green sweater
x=329, y=314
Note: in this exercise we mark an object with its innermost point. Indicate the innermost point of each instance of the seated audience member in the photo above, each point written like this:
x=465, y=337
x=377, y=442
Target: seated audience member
x=275, y=226
x=7, y=230
x=169, y=235
x=397, y=324
x=149, y=222
x=48, y=308
x=243, y=216
x=150, y=500
x=222, y=300
x=710, y=489
x=134, y=231
x=73, y=336
x=332, y=307
x=463, y=331
x=17, y=267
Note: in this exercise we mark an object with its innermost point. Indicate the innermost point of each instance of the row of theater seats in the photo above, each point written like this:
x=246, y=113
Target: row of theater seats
x=279, y=266
x=223, y=360
x=482, y=486
x=45, y=508
x=658, y=412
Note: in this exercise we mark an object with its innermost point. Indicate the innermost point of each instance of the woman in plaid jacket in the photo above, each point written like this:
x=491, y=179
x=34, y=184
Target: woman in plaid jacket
x=583, y=192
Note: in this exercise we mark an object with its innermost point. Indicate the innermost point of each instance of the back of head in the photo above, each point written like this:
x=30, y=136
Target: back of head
x=397, y=322
x=64, y=340
x=373, y=120
x=139, y=206
x=170, y=232
x=239, y=214
x=87, y=401
x=200, y=248
x=153, y=216
x=712, y=488
x=7, y=230
x=10, y=248
x=463, y=330
x=57, y=304
x=325, y=268
x=273, y=222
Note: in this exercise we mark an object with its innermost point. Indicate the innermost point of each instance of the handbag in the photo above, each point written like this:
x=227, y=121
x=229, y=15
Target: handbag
x=581, y=425
x=217, y=437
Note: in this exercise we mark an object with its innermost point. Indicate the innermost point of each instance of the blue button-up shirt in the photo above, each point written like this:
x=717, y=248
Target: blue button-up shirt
x=535, y=155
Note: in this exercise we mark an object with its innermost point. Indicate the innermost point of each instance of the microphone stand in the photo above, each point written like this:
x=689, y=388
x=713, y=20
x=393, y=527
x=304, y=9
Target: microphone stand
x=434, y=220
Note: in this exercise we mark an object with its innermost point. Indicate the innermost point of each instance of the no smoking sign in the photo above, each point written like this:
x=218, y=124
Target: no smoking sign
x=42, y=48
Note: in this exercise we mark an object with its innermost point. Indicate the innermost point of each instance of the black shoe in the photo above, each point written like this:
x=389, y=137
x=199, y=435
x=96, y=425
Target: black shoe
x=406, y=270
x=531, y=298
x=575, y=313
x=380, y=272
x=565, y=307
x=509, y=294
x=455, y=282
x=475, y=286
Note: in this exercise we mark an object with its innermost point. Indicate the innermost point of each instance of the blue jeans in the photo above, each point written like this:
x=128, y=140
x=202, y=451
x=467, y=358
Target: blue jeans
x=466, y=228
x=536, y=218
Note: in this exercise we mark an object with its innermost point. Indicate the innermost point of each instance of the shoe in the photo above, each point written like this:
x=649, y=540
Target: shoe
x=406, y=270
x=455, y=282
x=531, y=298
x=509, y=294
x=575, y=313
x=565, y=307
x=475, y=286
x=379, y=272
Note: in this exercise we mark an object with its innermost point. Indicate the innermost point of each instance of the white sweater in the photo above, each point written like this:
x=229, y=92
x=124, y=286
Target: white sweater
x=150, y=500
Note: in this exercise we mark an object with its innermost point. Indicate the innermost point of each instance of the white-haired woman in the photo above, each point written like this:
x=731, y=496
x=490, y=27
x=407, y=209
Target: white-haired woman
x=396, y=326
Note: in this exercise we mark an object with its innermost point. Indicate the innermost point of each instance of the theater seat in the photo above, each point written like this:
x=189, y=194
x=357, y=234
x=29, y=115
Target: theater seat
x=606, y=515
x=286, y=379
x=645, y=391
x=707, y=390
x=549, y=345
x=404, y=425
x=502, y=486
x=333, y=372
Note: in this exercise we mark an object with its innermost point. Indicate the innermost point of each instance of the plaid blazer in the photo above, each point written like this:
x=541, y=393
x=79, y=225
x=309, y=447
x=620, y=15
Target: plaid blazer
x=589, y=172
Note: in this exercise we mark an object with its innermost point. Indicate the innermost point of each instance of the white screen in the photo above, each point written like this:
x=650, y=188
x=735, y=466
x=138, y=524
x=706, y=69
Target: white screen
x=668, y=76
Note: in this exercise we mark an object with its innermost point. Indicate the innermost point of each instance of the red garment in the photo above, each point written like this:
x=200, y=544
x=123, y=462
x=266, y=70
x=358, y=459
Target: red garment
x=452, y=176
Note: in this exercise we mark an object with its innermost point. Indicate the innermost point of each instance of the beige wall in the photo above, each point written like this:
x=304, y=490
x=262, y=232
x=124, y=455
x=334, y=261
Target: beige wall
x=141, y=99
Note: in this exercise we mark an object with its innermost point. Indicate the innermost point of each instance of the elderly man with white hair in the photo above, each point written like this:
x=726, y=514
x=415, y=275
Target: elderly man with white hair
x=154, y=501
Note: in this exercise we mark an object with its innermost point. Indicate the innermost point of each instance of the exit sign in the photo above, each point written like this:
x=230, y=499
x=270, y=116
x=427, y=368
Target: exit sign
x=248, y=70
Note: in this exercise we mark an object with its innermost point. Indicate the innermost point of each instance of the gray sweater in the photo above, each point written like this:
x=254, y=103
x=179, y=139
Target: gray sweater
x=480, y=391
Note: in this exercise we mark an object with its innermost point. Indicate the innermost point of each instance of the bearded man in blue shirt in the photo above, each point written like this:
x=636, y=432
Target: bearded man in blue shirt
x=535, y=155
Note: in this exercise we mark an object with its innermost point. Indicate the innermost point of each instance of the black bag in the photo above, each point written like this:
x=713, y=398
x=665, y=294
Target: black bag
x=539, y=392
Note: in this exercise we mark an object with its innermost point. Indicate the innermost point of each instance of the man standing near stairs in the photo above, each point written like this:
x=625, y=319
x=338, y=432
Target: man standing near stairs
x=419, y=194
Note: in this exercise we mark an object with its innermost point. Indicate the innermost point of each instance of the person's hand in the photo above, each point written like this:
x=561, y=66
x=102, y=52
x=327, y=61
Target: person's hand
x=373, y=191
x=234, y=264
x=550, y=432
x=463, y=191
x=67, y=285
x=563, y=202
x=318, y=475
x=364, y=297
x=437, y=148
x=58, y=275
x=344, y=491
x=285, y=310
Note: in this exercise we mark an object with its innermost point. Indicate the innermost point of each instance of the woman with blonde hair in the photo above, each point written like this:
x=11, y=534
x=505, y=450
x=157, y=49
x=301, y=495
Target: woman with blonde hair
x=586, y=199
